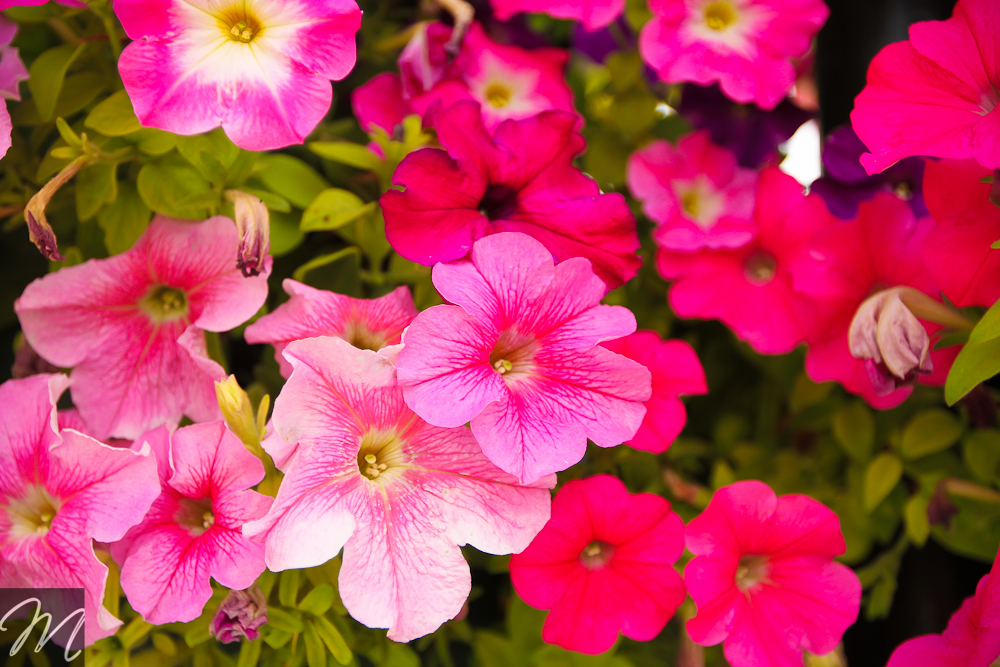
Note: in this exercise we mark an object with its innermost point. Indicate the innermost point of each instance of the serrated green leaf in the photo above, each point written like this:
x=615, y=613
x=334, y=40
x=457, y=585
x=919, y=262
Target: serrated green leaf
x=929, y=432
x=333, y=208
x=113, y=117
x=988, y=327
x=881, y=477
x=854, y=430
x=96, y=185
x=48, y=73
x=315, y=650
x=974, y=364
x=291, y=178
x=333, y=640
x=319, y=600
x=282, y=620
x=353, y=155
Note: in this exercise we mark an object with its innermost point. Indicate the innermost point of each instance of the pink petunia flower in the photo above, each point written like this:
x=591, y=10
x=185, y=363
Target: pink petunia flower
x=695, y=192
x=379, y=102
x=260, y=69
x=397, y=494
x=846, y=264
x=193, y=531
x=750, y=289
x=676, y=371
x=521, y=179
x=935, y=94
x=957, y=251
x=518, y=357
x=369, y=324
x=603, y=564
x=764, y=578
x=12, y=72
x=133, y=326
x=593, y=14
x=59, y=491
x=7, y=4
x=745, y=45
x=971, y=638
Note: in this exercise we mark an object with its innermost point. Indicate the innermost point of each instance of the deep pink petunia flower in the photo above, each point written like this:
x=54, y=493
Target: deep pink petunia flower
x=369, y=324
x=937, y=93
x=764, y=578
x=845, y=265
x=133, y=326
x=522, y=179
x=193, y=531
x=397, y=494
x=972, y=638
x=518, y=357
x=379, y=102
x=745, y=45
x=59, y=491
x=750, y=289
x=957, y=251
x=676, y=371
x=593, y=14
x=695, y=192
x=603, y=564
x=259, y=68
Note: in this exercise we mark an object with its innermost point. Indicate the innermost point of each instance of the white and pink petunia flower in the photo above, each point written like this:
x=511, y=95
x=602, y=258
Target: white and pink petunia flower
x=133, y=326
x=517, y=355
x=193, y=531
x=59, y=491
x=369, y=324
x=397, y=494
x=259, y=68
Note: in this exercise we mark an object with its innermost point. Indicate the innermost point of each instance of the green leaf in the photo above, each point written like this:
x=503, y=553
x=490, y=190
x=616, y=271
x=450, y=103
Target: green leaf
x=48, y=73
x=124, y=220
x=929, y=432
x=995, y=245
x=214, y=143
x=285, y=233
x=918, y=527
x=988, y=327
x=334, y=208
x=881, y=477
x=334, y=641
x=880, y=597
x=282, y=620
x=494, y=650
x=315, y=651
x=319, y=600
x=981, y=453
x=322, y=260
x=114, y=117
x=78, y=91
x=344, y=152
x=166, y=181
x=152, y=141
x=272, y=201
x=291, y=178
x=96, y=185
x=249, y=653
x=276, y=638
x=67, y=133
x=854, y=430
x=288, y=587
x=211, y=169
x=974, y=364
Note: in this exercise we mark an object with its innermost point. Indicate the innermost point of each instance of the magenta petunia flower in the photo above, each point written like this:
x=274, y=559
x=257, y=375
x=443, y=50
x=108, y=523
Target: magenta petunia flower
x=935, y=94
x=845, y=265
x=369, y=324
x=764, y=578
x=957, y=251
x=259, y=68
x=521, y=179
x=397, y=494
x=518, y=357
x=750, y=289
x=193, y=531
x=12, y=72
x=379, y=102
x=745, y=45
x=676, y=371
x=603, y=564
x=695, y=192
x=593, y=14
x=971, y=638
x=132, y=326
x=59, y=491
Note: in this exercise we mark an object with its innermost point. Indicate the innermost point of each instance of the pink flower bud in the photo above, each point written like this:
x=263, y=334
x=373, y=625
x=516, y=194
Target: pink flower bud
x=239, y=615
x=891, y=340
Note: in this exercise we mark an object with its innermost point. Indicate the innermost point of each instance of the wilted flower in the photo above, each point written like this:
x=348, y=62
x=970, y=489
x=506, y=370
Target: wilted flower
x=239, y=615
x=39, y=230
x=254, y=225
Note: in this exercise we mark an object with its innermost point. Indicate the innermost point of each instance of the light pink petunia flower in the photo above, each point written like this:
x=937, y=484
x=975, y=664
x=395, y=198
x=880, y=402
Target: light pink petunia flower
x=750, y=289
x=957, y=252
x=12, y=72
x=518, y=357
x=845, y=265
x=397, y=494
x=745, y=45
x=676, y=371
x=259, y=68
x=521, y=179
x=936, y=94
x=764, y=578
x=193, y=531
x=133, y=326
x=972, y=638
x=695, y=192
x=59, y=491
x=369, y=324
x=603, y=564
x=593, y=14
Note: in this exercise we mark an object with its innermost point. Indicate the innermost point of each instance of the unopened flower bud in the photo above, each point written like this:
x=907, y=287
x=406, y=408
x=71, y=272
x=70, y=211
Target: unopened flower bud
x=893, y=343
x=39, y=230
x=239, y=615
x=253, y=222
x=236, y=408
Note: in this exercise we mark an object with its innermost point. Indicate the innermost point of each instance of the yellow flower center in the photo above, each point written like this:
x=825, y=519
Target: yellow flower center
x=32, y=513
x=690, y=203
x=498, y=95
x=240, y=24
x=513, y=355
x=163, y=303
x=360, y=336
x=720, y=15
x=596, y=555
x=380, y=453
